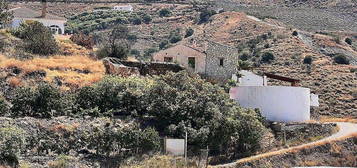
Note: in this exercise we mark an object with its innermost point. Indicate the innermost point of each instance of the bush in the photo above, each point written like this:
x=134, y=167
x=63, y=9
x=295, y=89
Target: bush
x=164, y=12
x=348, y=41
x=244, y=57
x=37, y=37
x=267, y=57
x=112, y=95
x=148, y=52
x=83, y=40
x=107, y=140
x=44, y=101
x=341, y=59
x=205, y=15
x=189, y=32
x=147, y=18
x=12, y=142
x=135, y=52
x=295, y=33
x=163, y=44
x=136, y=20
x=117, y=51
x=175, y=39
x=308, y=60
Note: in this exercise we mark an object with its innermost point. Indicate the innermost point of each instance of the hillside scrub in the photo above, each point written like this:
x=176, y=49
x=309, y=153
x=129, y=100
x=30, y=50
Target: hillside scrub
x=205, y=15
x=341, y=59
x=37, y=37
x=106, y=139
x=164, y=12
x=171, y=104
x=5, y=15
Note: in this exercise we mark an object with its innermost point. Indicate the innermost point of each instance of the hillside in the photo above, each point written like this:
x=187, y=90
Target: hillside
x=309, y=15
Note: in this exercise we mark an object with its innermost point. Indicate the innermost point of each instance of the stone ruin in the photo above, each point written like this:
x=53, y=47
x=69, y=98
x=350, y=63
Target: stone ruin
x=125, y=68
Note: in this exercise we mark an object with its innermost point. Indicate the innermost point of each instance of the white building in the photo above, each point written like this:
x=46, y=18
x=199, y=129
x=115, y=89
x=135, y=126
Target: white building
x=127, y=8
x=276, y=103
x=55, y=23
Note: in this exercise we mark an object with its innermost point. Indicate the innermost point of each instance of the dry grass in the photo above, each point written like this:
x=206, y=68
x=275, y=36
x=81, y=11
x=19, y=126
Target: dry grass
x=74, y=71
x=332, y=119
x=73, y=67
x=14, y=82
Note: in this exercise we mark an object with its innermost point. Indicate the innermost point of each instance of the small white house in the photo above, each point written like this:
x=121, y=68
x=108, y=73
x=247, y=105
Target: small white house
x=276, y=103
x=127, y=8
x=54, y=23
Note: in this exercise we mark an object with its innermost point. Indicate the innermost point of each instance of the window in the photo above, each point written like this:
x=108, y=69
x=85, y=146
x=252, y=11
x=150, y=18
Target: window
x=192, y=62
x=168, y=59
x=221, y=61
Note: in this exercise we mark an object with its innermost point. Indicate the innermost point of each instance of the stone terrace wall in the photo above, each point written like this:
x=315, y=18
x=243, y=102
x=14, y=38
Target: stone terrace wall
x=139, y=68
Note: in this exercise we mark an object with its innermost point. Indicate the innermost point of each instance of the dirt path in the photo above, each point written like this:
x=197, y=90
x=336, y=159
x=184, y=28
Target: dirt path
x=346, y=129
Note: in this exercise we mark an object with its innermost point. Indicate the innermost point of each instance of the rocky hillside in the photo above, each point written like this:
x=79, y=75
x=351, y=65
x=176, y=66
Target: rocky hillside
x=339, y=153
x=305, y=15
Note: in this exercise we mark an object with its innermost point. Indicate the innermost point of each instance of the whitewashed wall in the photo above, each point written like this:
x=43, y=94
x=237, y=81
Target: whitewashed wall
x=251, y=79
x=46, y=22
x=276, y=103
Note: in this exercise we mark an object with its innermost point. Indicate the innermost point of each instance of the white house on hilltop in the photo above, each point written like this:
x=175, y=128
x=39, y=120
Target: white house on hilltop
x=55, y=23
x=127, y=8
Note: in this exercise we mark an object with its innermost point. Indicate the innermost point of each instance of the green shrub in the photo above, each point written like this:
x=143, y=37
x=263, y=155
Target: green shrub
x=148, y=52
x=43, y=101
x=164, y=12
x=348, y=41
x=112, y=94
x=205, y=15
x=136, y=20
x=107, y=140
x=341, y=59
x=267, y=57
x=117, y=51
x=135, y=52
x=244, y=57
x=175, y=39
x=308, y=60
x=163, y=44
x=295, y=33
x=37, y=37
x=147, y=18
x=12, y=140
x=189, y=32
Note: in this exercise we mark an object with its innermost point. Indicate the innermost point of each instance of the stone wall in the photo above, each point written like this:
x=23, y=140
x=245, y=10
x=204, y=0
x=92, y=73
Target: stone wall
x=216, y=52
x=128, y=68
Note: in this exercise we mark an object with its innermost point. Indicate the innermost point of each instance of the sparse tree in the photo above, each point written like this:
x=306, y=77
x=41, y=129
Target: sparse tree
x=348, y=41
x=118, y=44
